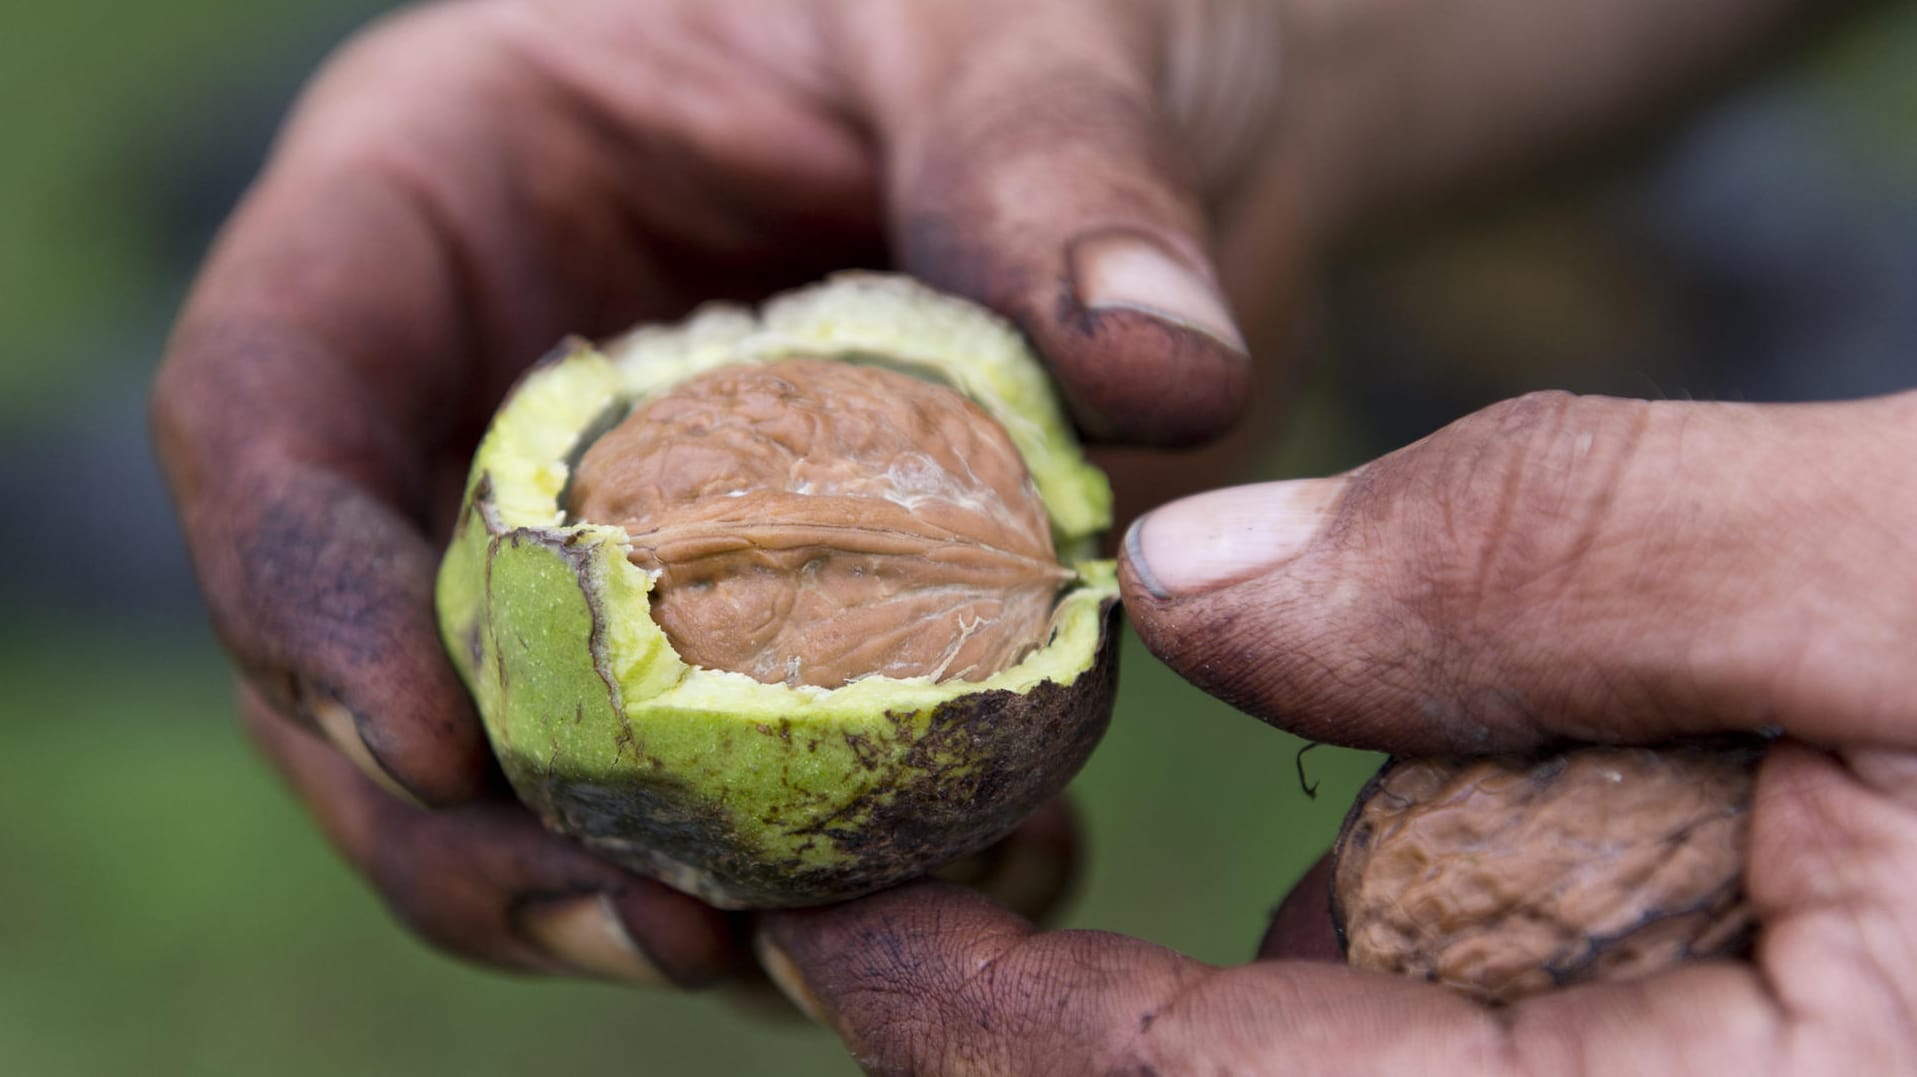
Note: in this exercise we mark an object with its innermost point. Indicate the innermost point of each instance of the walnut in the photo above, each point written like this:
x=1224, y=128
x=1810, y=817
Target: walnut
x=790, y=506
x=814, y=522
x=1501, y=877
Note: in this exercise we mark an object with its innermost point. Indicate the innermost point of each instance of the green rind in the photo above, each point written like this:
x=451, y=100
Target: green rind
x=748, y=794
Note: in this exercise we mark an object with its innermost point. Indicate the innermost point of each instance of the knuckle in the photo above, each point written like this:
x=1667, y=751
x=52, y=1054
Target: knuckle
x=397, y=35
x=1512, y=527
x=1523, y=497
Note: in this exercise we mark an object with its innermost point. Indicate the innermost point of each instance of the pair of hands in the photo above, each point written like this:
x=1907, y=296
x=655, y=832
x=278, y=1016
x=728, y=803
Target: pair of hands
x=473, y=180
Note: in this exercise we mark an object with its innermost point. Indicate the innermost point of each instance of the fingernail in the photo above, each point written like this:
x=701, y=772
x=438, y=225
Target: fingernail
x=337, y=721
x=784, y=974
x=1124, y=270
x=586, y=934
x=1226, y=535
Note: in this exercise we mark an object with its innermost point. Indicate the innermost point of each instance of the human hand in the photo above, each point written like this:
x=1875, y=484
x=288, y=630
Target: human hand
x=469, y=182
x=1551, y=569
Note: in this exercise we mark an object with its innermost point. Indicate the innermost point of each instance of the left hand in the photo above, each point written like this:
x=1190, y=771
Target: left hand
x=465, y=183
x=1553, y=568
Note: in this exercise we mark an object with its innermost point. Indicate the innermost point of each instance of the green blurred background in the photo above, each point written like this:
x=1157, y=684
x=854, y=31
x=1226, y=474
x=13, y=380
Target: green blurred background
x=165, y=910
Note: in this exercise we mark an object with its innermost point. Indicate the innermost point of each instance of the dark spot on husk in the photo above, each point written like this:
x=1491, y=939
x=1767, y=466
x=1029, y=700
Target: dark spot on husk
x=476, y=644
x=983, y=763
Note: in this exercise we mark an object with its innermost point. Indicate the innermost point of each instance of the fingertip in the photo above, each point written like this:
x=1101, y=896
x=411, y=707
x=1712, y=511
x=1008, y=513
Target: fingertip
x=1079, y=221
x=863, y=967
x=1143, y=341
x=907, y=931
x=323, y=592
x=1143, y=356
x=1127, y=269
x=1208, y=585
x=586, y=935
x=1302, y=927
x=690, y=942
x=1133, y=377
x=641, y=934
x=341, y=726
x=1032, y=871
x=435, y=763
x=1211, y=540
x=786, y=975
x=450, y=762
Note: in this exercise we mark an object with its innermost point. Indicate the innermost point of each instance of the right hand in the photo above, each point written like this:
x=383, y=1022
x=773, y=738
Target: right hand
x=1552, y=569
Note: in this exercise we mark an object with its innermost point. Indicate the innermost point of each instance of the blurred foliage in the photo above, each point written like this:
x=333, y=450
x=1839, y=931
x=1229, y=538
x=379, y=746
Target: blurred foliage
x=102, y=103
x=1864, y=77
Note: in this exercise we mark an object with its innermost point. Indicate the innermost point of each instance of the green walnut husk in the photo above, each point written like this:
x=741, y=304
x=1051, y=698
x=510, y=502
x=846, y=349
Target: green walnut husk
x=748, y=794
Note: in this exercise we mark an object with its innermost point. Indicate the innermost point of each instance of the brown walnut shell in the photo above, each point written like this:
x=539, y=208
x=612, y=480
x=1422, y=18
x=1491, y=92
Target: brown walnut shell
x=1505, y=876
x=814, y=522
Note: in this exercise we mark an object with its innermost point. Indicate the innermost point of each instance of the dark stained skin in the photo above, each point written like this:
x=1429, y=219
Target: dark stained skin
x=468, y=182
x=1753, y=575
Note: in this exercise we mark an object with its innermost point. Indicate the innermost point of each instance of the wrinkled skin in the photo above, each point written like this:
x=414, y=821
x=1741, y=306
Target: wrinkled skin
x=1553, y=567
x=469, y=181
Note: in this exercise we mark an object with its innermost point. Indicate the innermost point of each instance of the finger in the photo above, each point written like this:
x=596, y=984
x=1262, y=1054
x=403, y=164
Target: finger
x=1030, y=873
x=1032, y=167
x=1560, y=567
x=932, y=979
x=356, y=320
x=323, y=594
x=1032, y=870
x=321, y=362
x=1302, y=929
x=487, y=883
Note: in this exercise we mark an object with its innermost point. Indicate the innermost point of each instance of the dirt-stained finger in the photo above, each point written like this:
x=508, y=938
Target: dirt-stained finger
x=1035, y=168
x=484, y=881
x=1301, y=928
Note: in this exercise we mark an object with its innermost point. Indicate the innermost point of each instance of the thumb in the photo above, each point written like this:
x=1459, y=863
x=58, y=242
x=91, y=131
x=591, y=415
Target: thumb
x=1561, y=567
x=1031, y=167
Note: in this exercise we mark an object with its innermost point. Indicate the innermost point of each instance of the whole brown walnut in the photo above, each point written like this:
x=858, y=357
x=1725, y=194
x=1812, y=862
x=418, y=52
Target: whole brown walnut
x=1505, y=876
x=813, y=522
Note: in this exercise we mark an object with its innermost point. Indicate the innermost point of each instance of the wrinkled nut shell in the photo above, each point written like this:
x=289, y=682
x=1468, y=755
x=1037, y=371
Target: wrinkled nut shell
x=814, y=522
x=776, y=449
x=1503, y=877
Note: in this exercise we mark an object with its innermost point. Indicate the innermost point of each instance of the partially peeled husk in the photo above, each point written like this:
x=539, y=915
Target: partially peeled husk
x=751, y=794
